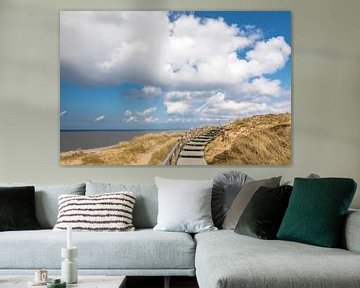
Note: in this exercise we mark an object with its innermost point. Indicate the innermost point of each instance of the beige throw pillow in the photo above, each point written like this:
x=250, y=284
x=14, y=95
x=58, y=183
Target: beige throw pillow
x=243, y=198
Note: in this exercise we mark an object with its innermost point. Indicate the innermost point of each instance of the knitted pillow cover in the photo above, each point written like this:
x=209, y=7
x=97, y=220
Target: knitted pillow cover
x=105, y=212
x=316, y=211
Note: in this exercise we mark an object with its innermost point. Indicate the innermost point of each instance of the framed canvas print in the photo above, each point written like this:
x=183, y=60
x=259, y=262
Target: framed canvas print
x=175, y=88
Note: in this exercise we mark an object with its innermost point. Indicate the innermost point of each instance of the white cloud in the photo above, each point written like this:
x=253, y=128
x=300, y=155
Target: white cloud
x=261, y=88
x=213, y=45
x=63, y=113
x=141, y=116
x=151, y=120
x=146, y=111
x=179, y=107
x=268, y=56
x=174, y=96
x=131, y=119
x=184, y=103
x=281, y=107
x=100, y=118
x=218, y=106
x=201, y=68
x=182, y=120
x=110, y=48
x=151, y=90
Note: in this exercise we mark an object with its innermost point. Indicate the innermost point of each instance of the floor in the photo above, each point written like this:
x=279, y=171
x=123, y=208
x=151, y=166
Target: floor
x=158, y=282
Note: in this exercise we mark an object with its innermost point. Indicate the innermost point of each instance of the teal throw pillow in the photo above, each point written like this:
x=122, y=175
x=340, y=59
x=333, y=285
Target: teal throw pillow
x=316, y=211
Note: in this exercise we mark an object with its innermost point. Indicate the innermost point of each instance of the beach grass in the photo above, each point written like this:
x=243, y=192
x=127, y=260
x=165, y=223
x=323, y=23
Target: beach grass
x=257, y=140
x=158, y=157
x=148, y=149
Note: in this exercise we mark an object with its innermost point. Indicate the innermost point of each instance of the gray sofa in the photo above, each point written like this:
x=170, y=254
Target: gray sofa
x=226, y=259
x=218, y=259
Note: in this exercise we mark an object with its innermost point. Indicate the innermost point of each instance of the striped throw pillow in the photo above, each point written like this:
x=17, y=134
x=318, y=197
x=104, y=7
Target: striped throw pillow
x=105, y=212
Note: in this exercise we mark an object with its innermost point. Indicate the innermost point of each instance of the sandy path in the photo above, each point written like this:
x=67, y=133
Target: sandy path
x=145, y=158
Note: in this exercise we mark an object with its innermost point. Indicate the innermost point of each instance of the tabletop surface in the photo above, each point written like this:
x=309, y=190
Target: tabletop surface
x=87, y=281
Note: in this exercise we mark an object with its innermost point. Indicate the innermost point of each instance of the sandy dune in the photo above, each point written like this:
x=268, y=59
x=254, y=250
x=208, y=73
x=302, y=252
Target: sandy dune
x=257, y=140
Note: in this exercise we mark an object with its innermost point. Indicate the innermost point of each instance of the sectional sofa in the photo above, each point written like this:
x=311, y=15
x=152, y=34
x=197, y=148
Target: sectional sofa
x=218, y=259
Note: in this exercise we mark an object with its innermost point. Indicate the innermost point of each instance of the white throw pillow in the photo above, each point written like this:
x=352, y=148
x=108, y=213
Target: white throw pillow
x=184, y=205
x=105, y=212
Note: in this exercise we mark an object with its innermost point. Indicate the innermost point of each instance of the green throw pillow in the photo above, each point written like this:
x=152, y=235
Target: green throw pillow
x=316, y=211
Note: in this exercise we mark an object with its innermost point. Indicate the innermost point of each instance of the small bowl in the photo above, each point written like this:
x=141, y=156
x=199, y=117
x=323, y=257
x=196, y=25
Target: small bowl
x=56, y=283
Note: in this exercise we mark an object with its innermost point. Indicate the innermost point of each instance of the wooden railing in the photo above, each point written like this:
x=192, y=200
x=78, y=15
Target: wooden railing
x=173, y=155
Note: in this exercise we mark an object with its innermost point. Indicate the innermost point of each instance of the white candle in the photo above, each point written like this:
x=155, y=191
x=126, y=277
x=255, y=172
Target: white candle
x=69, y=239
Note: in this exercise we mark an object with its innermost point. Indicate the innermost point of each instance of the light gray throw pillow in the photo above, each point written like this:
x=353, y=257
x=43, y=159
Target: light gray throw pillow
x=243, y=198
x=184, y=205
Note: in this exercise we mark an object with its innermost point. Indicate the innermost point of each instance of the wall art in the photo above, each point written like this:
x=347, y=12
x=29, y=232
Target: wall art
x=175, y=88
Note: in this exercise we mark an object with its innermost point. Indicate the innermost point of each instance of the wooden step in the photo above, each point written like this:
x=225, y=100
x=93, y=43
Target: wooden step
x=191, y=161
x=199, y=140
x=193, y=148
x=191, y=143
x=196, y=154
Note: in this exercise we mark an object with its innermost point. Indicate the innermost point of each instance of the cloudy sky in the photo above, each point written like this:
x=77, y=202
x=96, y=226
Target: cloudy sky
x=172, y=70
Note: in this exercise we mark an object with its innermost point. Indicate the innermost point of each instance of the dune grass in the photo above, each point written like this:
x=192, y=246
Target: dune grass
x=158, y=157
x=148, y=149
x=258, y=140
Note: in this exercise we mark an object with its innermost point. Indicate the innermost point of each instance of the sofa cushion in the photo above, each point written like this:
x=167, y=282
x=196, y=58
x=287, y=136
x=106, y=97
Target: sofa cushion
x=350, y=239
x=184, y=205
x=46, y=200
x=143, y=249
x=105, y=212
x=291, y=182
x=225, y=189
x=146, y=205
x=225, y=259
x=243, y=198
x=17, y=208
x=317, y=209
x=263, y=215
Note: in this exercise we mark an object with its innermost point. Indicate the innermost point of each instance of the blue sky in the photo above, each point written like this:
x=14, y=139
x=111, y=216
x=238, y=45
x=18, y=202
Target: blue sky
x=172, y=70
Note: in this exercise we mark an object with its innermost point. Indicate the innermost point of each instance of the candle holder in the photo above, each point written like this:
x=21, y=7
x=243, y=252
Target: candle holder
x=69, y=271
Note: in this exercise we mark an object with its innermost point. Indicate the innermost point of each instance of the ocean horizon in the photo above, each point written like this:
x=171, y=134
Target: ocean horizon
x=81, y=130
x=71, y=140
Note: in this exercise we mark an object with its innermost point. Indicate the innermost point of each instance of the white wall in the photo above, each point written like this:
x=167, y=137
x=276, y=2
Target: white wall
x=326, y=90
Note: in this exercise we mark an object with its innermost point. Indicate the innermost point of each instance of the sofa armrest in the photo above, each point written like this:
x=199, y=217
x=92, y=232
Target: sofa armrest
x=351, y=234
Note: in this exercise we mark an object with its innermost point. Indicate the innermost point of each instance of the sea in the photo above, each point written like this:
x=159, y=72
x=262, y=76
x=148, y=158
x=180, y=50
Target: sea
x=71, y=140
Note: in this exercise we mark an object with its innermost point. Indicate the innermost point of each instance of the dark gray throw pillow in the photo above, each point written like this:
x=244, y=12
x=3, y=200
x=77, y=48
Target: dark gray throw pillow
x=263, y=215
x=225, y=189
x=46, y=199
x=243, y=198
x=17, y=209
